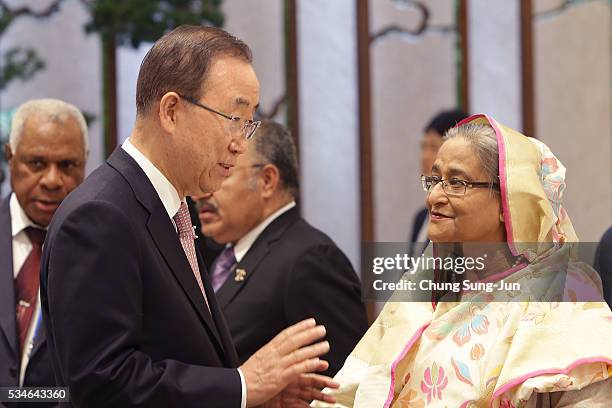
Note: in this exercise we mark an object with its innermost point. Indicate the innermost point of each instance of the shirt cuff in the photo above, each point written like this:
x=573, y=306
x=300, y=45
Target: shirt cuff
x=243, y=399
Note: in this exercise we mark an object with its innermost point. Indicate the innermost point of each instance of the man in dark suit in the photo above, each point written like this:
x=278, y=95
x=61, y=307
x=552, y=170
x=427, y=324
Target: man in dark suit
x=603, y=264
x=130, y=315
x=46, y=154
x=277, y=269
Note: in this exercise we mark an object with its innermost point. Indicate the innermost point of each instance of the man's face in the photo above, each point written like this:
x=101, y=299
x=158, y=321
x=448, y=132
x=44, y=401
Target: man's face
x=210, y=144
x=49, y=163
x=237, y=207
x=430, y=144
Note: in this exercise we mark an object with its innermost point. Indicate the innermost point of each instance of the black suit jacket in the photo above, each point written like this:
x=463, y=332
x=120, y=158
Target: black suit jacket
x=39, y=371
x=293, y=272
x=126, y=322
x=603, y=264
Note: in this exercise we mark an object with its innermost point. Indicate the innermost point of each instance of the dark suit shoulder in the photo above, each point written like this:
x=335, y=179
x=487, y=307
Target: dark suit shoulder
x=104, y=190
x=303, y=235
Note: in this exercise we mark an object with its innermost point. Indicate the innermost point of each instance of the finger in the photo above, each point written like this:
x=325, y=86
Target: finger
x=323, y=365
x=300, y=326
x=310, y=394
x=287, y=343
x=305, y=353
x=292, y=373
x=317, y=381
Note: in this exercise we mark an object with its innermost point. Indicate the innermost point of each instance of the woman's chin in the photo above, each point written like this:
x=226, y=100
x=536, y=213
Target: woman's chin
x=440, y=236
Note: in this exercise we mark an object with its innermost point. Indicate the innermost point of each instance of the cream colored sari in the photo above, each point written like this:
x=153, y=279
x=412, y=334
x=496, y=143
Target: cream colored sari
x=477, y=353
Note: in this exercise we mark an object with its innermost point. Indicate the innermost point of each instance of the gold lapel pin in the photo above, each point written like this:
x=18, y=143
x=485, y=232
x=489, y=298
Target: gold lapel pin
x=240, y=275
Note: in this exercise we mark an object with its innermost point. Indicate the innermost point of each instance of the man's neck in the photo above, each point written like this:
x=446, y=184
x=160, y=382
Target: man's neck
x=152, y=148
x=276, y=203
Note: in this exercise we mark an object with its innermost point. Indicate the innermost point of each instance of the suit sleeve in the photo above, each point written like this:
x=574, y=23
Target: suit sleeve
x=324, y=285
x=603, y=264
x=94, y=294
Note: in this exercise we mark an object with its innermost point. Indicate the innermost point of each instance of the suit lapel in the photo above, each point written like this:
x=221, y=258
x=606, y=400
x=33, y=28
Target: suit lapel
x=226, y=338
x=8, y=324
x=168, y=244
x=163, y=234
x=231, y=287
x=247, y=267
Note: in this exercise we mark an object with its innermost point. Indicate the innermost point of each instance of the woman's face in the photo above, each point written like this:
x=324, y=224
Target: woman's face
x=473, y=217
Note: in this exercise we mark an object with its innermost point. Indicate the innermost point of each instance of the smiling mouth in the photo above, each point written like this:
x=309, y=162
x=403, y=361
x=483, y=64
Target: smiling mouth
x=438, y=215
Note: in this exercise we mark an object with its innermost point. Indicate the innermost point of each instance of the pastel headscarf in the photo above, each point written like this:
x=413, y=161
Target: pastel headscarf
x=532, y=182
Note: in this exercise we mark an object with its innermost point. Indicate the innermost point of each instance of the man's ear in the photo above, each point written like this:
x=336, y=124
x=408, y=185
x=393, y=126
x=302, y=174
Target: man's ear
x=168, y=106
x=270, y=177
x=8, y=152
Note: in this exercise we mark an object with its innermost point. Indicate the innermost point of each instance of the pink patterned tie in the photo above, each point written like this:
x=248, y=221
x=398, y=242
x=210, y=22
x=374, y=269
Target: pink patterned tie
x=187, y=237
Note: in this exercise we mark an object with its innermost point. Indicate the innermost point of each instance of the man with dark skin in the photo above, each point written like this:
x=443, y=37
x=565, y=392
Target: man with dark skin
x=46, y=155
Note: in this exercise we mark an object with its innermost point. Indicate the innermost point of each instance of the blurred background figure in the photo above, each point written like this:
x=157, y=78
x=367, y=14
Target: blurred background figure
x=430, y=143
x=277, y=269
x=46, y=156
x=603, y=264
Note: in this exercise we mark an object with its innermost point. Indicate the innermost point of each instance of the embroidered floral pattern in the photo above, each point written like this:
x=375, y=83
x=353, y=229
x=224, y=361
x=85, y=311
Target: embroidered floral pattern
x=462, y=371
x=477, y=351
x=434, y=382
x=472, y=321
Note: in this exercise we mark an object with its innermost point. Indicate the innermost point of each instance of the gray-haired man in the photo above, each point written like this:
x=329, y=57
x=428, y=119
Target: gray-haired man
x=46, y=153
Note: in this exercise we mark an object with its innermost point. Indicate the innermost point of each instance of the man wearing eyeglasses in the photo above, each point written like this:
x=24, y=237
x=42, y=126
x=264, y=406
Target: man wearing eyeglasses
x=130, y=314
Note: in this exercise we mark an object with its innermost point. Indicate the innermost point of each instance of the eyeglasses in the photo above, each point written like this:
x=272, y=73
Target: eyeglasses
x=248, y=128
x=454, y=187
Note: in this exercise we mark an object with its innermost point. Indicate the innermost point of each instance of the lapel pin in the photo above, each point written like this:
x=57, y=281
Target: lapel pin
x=240, y=275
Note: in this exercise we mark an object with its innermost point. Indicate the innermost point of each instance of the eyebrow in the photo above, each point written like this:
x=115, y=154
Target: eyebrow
x=453, y=171
x=240, y=101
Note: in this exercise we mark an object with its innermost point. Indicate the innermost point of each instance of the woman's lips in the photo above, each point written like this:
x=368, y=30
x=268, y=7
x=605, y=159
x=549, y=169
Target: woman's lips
x=436, y=216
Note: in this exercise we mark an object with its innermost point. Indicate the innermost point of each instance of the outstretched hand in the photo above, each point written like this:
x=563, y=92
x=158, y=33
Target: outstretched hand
x=283, y=361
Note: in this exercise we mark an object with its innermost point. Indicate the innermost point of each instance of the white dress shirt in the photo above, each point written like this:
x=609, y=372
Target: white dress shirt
x=172, y=202
x=21, y=249
x=244, y=244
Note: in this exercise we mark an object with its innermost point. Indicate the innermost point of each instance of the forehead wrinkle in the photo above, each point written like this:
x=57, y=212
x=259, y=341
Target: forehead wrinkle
x=452, y=170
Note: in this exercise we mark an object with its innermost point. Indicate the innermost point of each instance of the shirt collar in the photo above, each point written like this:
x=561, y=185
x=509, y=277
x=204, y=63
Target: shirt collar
x=19, y=219
x=165, y=190
x=244, y=244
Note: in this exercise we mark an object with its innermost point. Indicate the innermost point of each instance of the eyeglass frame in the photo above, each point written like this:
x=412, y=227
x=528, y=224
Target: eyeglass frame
x=247, y=122
x=466, y=185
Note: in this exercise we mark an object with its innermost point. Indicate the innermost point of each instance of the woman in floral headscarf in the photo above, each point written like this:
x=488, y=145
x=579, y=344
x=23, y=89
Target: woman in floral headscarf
x=492, y=184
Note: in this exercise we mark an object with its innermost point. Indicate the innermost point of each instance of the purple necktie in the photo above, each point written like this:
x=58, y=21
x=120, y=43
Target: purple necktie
x=187, y=236
x=222, y=268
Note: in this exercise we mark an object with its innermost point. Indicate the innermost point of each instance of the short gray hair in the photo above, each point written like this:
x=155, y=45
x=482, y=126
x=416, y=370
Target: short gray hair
x=274, y=144
x=484, y=142
x=50, y=110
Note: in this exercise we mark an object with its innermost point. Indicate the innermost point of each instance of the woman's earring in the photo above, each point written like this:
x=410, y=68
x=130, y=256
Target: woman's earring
x=501, y=217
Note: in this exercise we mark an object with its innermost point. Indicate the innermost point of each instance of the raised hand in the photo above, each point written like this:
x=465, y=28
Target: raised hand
x=283, y=361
